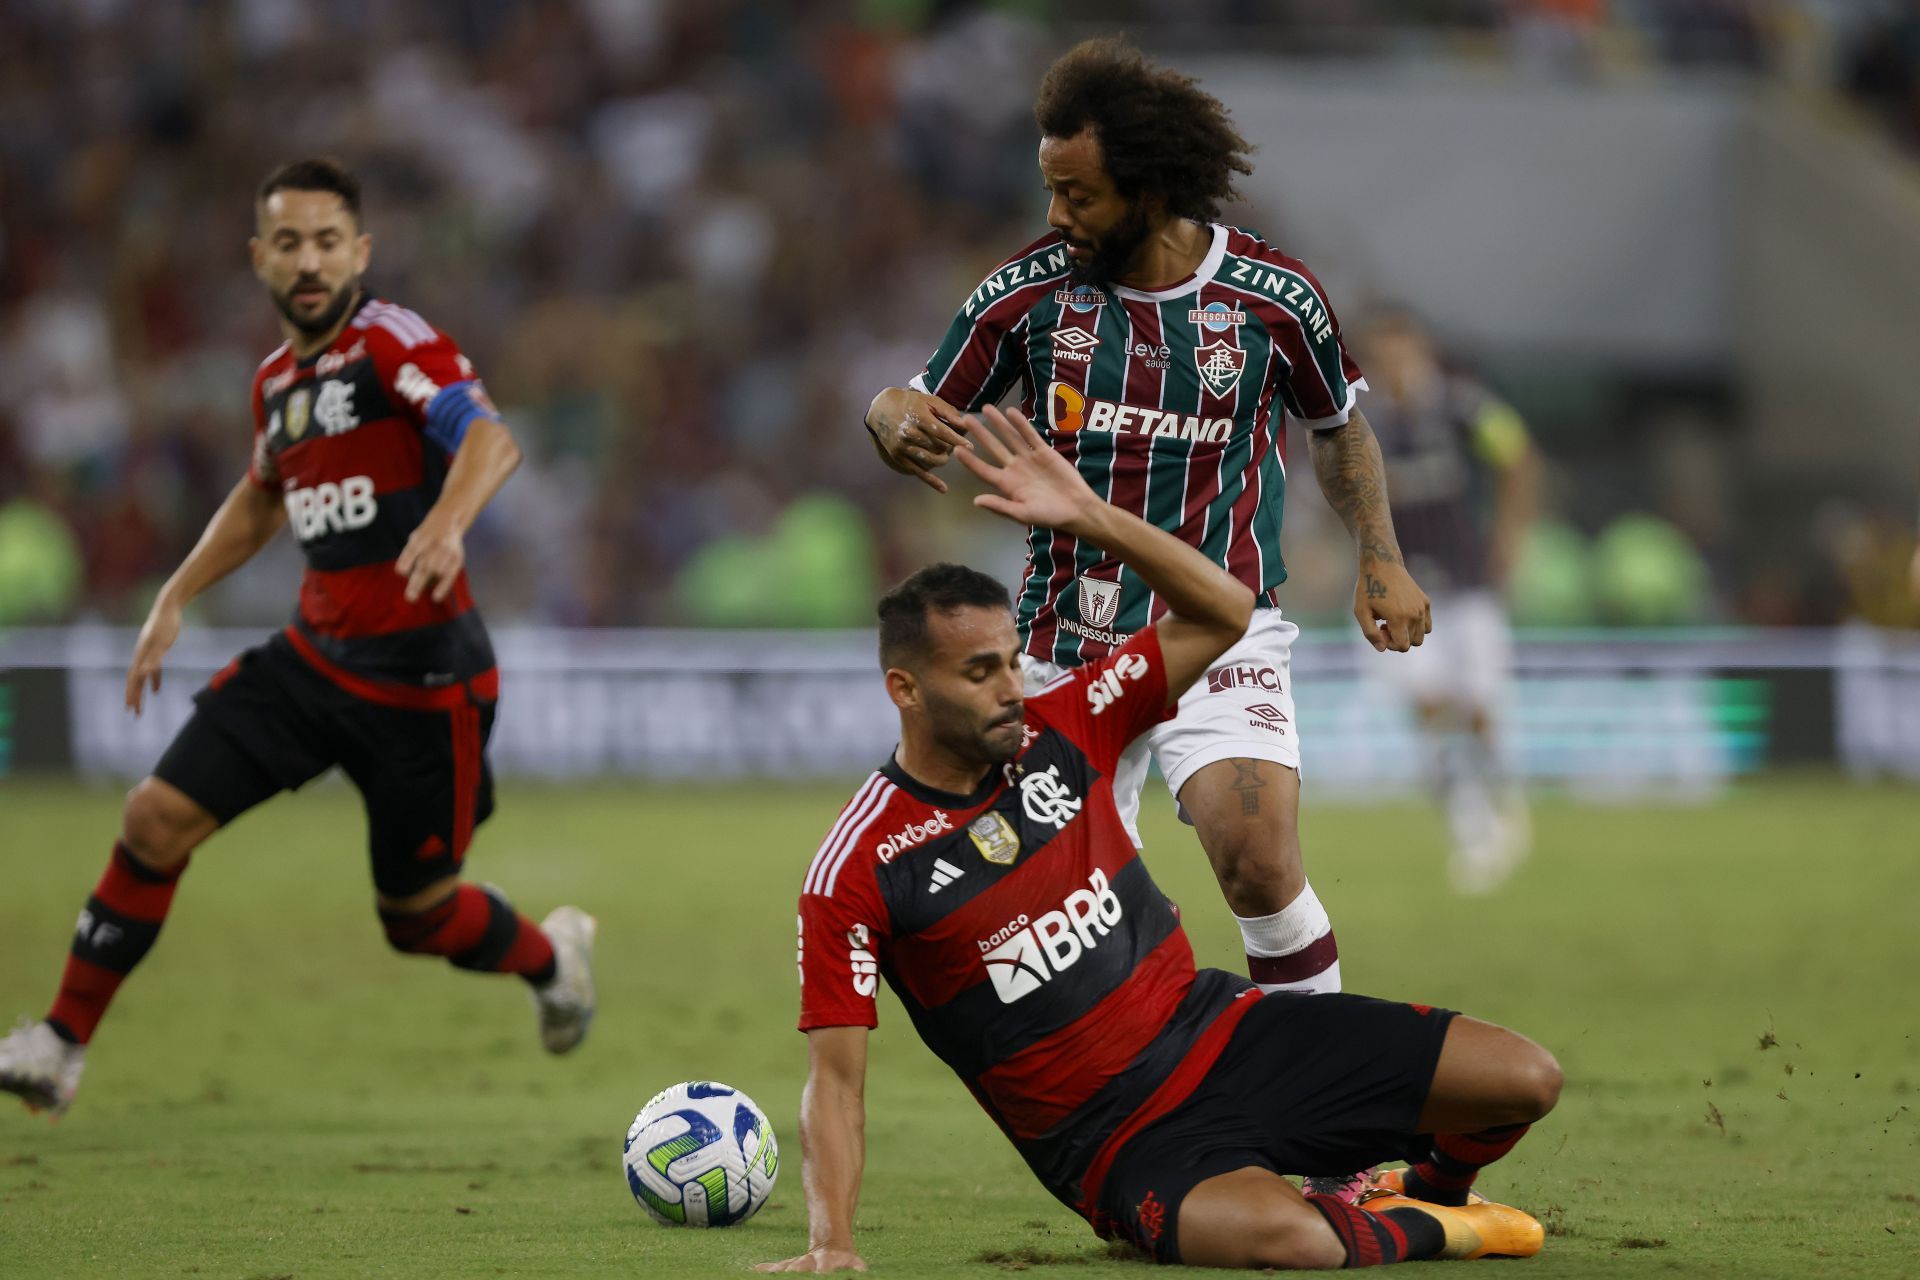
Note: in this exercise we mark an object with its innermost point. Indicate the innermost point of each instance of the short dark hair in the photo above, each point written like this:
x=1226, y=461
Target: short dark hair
x=315, y=173
x=938, y=588
x=1159, y=133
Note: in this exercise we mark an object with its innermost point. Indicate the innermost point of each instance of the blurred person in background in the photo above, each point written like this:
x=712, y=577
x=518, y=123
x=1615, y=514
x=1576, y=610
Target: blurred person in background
x=374, y=438
x=1155, y=344
x=1913, y=574
x=1465, y=479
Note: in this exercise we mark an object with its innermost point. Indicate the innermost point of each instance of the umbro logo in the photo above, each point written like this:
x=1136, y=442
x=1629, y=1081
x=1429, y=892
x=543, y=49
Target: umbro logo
x=944, y=874
x=1267, y=716
x=1074, y=344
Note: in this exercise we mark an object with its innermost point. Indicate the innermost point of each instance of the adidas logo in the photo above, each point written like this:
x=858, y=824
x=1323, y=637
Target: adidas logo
x=944, y=874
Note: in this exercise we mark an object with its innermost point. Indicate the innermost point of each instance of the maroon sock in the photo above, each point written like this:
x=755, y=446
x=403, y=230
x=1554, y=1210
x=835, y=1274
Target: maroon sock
x=1446, y=1175
x=114, y=933
x=475, y=930
x=1376, y=1239
x=1304, y=965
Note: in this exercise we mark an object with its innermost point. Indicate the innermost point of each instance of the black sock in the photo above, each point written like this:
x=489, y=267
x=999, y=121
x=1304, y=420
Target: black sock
x=1425, y=1236
x=1375, y=1239
x=1418, y=1188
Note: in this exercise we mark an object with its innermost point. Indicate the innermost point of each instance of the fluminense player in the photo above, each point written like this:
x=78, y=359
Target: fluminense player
x=986, y=874
x=1466, y=481
x=1159, y=350
x=375, y=440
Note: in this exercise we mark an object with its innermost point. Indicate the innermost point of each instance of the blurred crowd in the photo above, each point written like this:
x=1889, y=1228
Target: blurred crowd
x=683, y=243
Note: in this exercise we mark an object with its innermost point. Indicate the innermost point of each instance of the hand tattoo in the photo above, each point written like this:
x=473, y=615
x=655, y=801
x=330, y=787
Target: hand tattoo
x=1376, y=589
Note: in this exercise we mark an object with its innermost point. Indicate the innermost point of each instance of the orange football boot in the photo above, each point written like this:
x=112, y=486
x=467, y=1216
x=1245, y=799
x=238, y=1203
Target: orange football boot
x=1394, y=1180
x=1483, y=1230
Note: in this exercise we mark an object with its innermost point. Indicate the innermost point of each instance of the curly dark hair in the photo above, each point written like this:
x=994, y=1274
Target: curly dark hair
x=938, y=588
x=1159, y=132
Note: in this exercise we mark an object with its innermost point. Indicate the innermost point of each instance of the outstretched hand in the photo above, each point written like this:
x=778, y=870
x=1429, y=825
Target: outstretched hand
x=1032, y=483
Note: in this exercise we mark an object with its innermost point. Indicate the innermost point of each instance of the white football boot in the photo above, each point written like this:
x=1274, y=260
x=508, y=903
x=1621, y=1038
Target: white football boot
x=566, y=1003
x=41, y=1067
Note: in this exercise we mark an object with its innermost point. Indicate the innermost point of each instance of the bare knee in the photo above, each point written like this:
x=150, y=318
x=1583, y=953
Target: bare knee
x=1251, y=1218
x=1248, y=869
x=1538, y=1084
x=1245, y=812
x=1297, y=1242
x=161, y=825
x=1258, y=868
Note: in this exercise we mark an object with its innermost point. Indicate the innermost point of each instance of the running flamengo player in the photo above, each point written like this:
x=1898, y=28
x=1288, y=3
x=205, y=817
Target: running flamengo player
x=375, y=440
x=1159, y=349
x=985, y=872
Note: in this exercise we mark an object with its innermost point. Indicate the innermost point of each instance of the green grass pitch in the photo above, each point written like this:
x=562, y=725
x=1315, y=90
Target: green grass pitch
x=1728, y=987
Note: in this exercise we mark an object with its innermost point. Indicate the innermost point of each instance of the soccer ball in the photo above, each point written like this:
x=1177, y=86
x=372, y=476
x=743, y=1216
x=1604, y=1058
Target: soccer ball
x=701, y=1155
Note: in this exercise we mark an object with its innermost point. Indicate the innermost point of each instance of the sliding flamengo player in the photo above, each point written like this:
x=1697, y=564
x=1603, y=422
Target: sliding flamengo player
x=985, y=872
x=375, y=440
x=1160, y=349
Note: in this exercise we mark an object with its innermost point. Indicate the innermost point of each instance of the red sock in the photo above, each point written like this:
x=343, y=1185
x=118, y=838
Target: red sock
x=474, y=929
x=1445, y=1176
x=114, y=933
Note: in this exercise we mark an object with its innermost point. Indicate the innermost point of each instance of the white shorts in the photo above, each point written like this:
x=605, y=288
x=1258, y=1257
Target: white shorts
x=1467, y=661
x=1241, y=709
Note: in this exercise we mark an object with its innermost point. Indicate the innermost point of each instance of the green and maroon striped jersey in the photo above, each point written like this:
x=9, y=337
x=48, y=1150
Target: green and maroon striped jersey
x=1164, y=400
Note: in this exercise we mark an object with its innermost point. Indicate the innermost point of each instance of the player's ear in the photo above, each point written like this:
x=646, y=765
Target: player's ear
x=903, y=689
x=256, y=251
x=362, y=253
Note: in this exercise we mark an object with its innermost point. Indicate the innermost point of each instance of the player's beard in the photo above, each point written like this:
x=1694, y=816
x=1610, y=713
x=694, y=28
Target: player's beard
x=1113, y=250
x=327, y=317
x=982, y=743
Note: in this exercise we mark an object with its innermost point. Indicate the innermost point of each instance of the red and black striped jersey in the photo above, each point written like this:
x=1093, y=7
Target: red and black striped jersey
x=1019, y=927
x=357, y=440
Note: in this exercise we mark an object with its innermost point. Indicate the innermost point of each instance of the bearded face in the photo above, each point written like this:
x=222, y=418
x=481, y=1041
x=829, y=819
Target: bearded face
x=309, y=253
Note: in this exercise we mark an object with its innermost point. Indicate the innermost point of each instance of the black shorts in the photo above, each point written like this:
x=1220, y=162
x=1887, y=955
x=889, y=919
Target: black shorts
x=1308, y=1084
x=270, y=722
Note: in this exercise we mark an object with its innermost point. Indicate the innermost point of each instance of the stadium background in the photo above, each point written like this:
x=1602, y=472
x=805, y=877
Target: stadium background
x=684, y=243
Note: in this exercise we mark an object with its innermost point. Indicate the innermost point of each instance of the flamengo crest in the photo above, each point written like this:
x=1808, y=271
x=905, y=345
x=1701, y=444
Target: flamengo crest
x=1099, y=602
x=1220, y=365
x=1047, y=799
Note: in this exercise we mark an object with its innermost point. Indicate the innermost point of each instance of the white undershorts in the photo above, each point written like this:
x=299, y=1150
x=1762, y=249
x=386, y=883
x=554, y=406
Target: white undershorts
x=1467, y=661
x=1241, y=709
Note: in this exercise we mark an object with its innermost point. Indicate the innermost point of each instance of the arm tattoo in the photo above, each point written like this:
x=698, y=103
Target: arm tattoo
x=1352, y=475
x=1248, y=782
